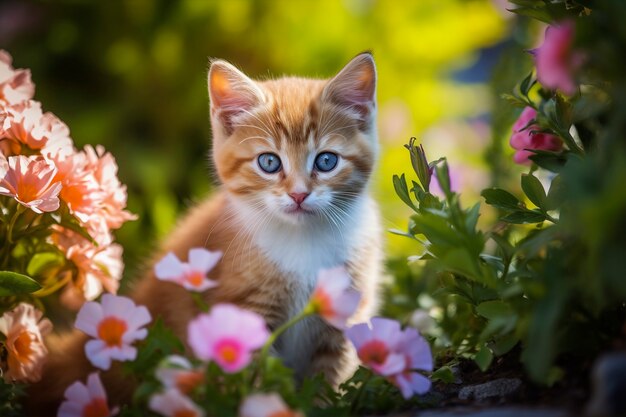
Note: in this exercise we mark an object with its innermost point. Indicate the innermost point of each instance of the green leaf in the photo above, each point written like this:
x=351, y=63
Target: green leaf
x=501, y=199
x=483, y=358
x=443, y=374
x=401, y=188
x=551, y=161
x=495, y=309
x=12, y=283
x=555, y=194
x=538, y=13
x=527, y=83
x=161, y=341
x=42, y=261
x=471, y=218
x=505, y=246
x=443, y=177
x=534, y=190
x=504, y=344
x=522, y=217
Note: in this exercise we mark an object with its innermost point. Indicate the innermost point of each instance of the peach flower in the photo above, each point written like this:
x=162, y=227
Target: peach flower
x=99, y=267
x=26, y=352
x=25, y=124
x=104, y=169
x=15, y=85
x=81, y=191
x=29, y=180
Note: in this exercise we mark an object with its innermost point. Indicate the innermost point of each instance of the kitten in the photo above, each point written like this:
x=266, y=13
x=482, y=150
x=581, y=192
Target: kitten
x=294, y=157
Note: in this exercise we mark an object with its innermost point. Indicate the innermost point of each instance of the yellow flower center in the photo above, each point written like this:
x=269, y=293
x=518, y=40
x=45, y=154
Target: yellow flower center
x=96, y=408
x=111, y=330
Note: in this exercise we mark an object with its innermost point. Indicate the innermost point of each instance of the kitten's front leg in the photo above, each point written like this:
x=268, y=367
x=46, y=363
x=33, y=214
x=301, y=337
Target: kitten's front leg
x=334, y=356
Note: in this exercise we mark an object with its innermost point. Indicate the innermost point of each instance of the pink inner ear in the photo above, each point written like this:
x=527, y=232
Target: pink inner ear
x=355, y=85
x=231, y=93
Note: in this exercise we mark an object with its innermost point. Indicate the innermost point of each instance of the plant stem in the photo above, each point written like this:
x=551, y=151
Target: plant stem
x=197, y=298
x=359, y=395
x=17, y=214
x=281, y=329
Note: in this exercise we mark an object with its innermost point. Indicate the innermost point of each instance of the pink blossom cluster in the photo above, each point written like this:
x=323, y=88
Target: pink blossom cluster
x=41, y=170
x=527, y=137
x=557, y=60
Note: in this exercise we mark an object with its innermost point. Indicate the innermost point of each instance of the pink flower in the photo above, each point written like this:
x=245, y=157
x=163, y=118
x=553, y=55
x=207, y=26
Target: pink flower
x=86, y=400
x=227, y=335
x=522, y=138
x=29, y=181
x=417, y=356
x=115, y=324
x=177, y=372
x=393, y=353
x=15, y=85
x=333, y=298
x=24, y=124
x=174, y=404
x=266, y=405
x=556, y=60
x=377, y=346
x=192, y=275
x=26, y=352
x=98, y=267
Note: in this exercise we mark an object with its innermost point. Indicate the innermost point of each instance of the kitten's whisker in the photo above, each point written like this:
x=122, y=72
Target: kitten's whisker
x=269, y=142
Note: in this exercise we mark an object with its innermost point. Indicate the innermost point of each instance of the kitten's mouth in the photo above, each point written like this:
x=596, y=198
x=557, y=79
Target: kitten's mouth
x=297, y=210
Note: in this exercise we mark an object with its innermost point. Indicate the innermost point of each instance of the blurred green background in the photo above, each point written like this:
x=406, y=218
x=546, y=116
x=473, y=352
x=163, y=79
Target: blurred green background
x=131, y=75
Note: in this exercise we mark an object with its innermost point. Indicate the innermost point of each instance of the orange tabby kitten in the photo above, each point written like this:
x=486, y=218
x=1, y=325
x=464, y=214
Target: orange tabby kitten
x=294, y=157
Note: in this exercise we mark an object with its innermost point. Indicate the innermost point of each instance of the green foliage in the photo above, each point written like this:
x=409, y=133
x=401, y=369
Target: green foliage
x=12, y=283
x=546, y=278
x=10, y=399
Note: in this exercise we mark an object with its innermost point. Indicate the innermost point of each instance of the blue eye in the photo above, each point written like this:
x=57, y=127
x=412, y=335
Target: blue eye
x=326, y=161
x=269, y=162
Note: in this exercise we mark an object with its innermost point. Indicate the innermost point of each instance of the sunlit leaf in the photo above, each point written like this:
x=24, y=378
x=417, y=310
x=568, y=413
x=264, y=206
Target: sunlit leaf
x=12, y=283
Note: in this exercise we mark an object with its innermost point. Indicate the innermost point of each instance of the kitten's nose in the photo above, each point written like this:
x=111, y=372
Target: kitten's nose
x=298, y=197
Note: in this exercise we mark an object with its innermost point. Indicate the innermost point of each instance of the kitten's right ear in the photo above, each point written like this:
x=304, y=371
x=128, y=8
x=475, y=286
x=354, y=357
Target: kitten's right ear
x=231, y=92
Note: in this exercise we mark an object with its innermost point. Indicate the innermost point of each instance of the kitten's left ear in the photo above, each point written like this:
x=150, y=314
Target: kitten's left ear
x=355, y=86
x=231, y=92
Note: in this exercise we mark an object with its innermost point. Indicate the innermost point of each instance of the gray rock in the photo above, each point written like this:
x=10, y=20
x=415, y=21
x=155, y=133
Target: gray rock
x=609, y=386
x=498, y=388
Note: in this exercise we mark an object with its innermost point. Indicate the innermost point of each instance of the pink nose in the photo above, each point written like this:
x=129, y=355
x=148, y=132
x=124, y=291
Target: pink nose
x=298, y=197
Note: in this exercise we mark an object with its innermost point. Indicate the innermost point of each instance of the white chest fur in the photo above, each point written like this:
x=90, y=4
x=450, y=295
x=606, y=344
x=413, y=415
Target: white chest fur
x=300, y=251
